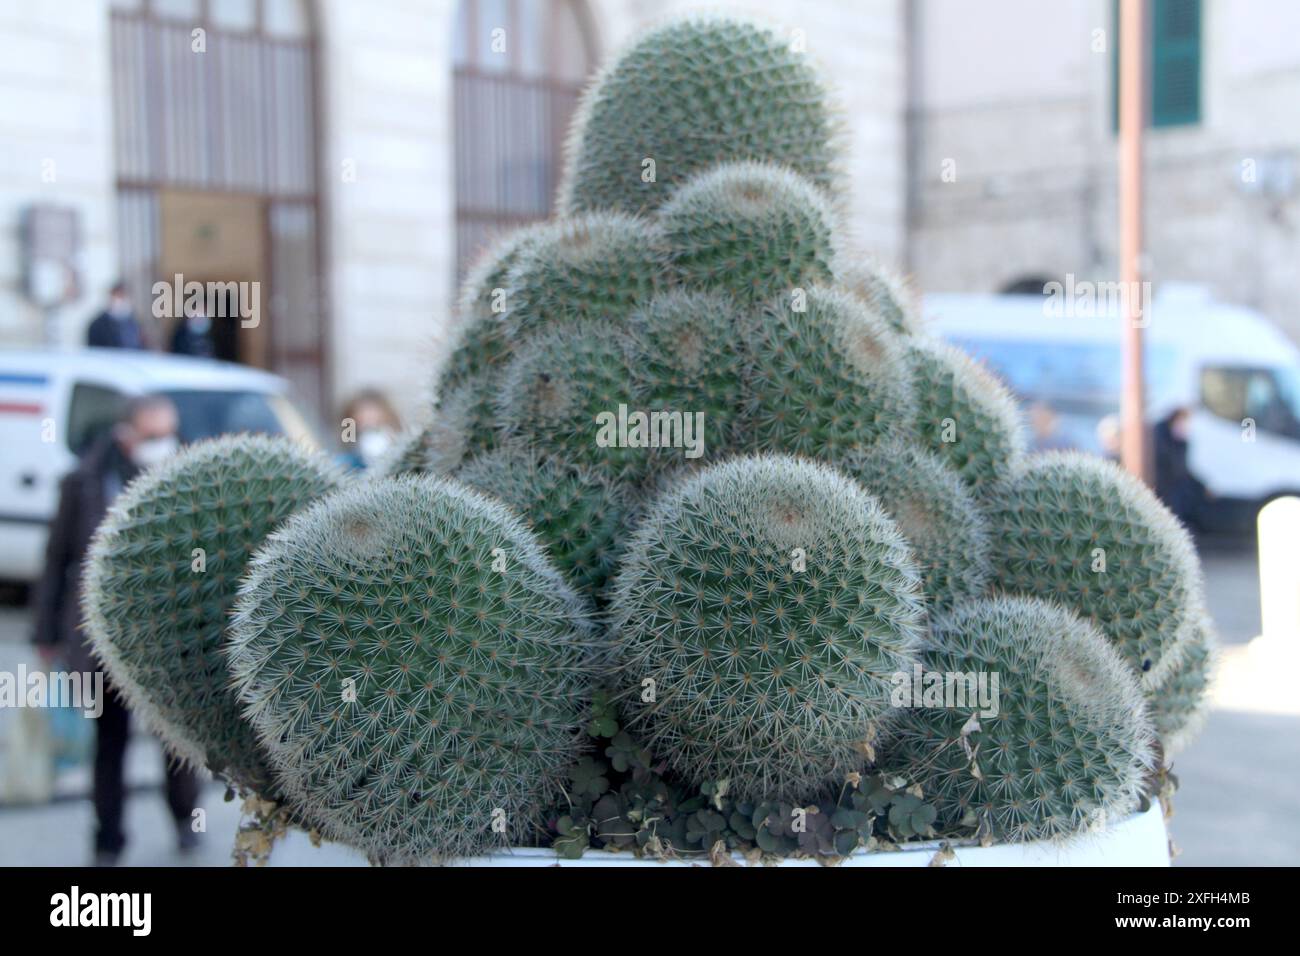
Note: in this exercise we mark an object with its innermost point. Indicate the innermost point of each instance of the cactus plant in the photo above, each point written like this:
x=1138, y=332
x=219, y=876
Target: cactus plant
x=439, y=445
x=415, y=667
x=455, y=430
x=752, y=230
x=594, y=267
x=576, y=514
x=1076, y=529
x=828, y=376
x=690, y=95
x=1065, y=745
x=483, y=343
x=1179, y=695
x=561, y=392
x=687, y=357
x=767, y=601
x=409, y=454
x=964, y=414
x=162, y=574
x=883, y=292
x=937, y=514
x=416, y=671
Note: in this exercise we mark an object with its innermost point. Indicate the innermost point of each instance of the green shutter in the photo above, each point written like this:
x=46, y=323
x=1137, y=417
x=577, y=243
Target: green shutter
x=1175, y=63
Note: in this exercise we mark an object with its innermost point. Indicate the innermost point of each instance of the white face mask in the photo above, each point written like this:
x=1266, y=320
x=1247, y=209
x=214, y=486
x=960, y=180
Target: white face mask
x=148, y=453
x=373, y=444
x=119, y=310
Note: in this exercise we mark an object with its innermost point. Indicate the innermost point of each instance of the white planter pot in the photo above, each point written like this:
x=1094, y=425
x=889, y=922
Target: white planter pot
x=1140, y=840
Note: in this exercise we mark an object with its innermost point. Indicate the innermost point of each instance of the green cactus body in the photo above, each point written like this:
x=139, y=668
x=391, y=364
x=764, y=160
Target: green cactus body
x=884, y=293
x=163, y=573
x=1179, y=695
x=936, y=513
x=828, y=377
x=751, y=230
x=690, y=95
x=409, y=454
x=964, y=414
x=1068, y=746
x=572, y=391
x=483, y=343
x=415, y=667
x=575, y=513
x=1077, y=530
x=687, y=357
x=454, y=431
x=482, y=340
x=596, y=267
x=764, y=604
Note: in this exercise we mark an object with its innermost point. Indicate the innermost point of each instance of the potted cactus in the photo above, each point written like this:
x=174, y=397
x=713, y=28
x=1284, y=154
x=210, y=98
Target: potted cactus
x=706, y=552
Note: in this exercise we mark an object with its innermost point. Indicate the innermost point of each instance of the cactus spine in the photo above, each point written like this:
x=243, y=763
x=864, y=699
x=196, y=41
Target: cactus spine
x=1077, y=530
x=162, y=575
x=415, y=667
x=767, y=601
x=686, y=97
x=1067, y=744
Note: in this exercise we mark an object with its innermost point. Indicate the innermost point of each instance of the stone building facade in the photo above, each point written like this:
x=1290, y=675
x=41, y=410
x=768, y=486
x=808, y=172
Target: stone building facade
x=351, y=154
x=357, y=231
x=1013, y=180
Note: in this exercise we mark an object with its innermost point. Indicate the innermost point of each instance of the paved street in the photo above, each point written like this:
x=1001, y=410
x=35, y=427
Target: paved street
x=1240, y=779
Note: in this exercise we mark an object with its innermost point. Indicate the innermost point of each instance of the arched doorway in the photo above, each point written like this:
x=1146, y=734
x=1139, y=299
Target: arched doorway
x=519, y=67
x=215, y=149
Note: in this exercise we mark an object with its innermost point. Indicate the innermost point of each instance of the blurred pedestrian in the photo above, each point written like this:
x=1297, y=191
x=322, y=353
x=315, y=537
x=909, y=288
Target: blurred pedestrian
x=1180, y=490
x=370, y=426
x=145, y=435
x=1045, y=425
x=193, y=333
x=1108, y=437
x=116, y=327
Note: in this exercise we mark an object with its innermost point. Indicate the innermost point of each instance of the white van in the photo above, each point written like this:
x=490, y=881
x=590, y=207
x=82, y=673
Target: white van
x=1235, y=371
x=54, y=403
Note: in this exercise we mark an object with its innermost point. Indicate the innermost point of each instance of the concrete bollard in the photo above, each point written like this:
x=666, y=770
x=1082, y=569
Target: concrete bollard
x=1279, y=570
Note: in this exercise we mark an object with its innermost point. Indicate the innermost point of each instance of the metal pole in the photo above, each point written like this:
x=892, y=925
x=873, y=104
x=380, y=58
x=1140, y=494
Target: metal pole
x=1132, y=102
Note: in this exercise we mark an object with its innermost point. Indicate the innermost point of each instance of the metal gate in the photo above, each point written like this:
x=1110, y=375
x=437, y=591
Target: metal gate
x=202, y=107
x=519, y=68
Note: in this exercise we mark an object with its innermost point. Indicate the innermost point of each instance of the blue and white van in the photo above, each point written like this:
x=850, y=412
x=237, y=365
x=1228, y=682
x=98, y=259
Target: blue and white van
x=53, y=403
x=1236, y=372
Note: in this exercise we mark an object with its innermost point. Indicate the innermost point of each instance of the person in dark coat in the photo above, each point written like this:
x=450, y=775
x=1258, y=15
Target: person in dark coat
x=116, y=327
x=1177, y=487
x=193, y=335
x=145, y=435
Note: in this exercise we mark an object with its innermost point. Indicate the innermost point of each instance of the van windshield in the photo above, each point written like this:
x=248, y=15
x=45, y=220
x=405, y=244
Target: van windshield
x=1288, y=387
x=1070, y=376
x=1269, y=397
x=206, y=414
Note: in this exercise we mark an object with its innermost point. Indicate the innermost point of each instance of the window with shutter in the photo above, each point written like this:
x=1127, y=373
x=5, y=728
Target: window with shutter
x=519, y=67
x=1175, y=64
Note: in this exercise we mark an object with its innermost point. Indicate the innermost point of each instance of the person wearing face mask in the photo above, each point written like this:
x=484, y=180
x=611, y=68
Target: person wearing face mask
x=193, y=335
x=144, y=436
x=370, y=426
x=116, y=327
